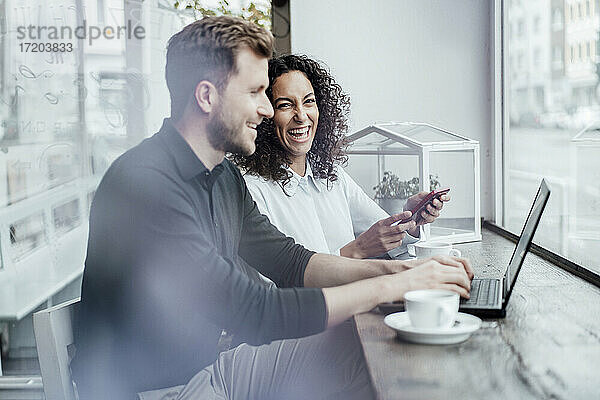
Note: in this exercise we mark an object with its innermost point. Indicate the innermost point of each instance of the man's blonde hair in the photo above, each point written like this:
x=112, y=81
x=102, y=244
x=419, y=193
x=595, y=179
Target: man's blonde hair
x=206, y=50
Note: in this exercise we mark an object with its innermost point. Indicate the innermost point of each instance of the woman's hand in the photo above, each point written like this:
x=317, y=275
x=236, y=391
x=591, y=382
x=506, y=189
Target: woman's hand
x=379, y=238
x=431, y=212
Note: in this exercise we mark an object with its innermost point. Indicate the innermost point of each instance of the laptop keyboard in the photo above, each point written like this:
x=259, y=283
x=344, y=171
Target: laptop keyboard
x=483, y=292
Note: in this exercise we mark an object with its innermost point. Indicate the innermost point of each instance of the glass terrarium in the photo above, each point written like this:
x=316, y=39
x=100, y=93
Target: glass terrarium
x=392, y=161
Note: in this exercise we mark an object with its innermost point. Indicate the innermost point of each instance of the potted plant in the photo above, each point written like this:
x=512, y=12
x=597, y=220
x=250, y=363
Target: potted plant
x=391, y=193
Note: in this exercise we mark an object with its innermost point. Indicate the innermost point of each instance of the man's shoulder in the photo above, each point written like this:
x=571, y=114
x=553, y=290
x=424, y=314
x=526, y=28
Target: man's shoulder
x=233, y=171
x=148, y=161
x=149, y=152
x=231, y=167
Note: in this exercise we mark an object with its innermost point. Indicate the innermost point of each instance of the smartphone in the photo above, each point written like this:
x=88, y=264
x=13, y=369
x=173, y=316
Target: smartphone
x=416, y=211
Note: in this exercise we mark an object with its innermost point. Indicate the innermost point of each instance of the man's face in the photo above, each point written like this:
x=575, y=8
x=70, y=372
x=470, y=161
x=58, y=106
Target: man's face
x=242, y=106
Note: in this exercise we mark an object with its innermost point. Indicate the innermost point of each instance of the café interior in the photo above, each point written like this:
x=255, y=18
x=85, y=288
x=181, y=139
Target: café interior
x=487, y=98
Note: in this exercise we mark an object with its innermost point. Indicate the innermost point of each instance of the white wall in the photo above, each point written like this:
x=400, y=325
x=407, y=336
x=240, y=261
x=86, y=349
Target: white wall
x=407, y=60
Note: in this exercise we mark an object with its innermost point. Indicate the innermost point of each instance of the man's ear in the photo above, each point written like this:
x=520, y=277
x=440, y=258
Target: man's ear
x=206, y=96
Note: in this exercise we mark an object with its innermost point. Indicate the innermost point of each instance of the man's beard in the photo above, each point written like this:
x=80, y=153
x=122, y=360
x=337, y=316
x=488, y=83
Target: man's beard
x=222, y=136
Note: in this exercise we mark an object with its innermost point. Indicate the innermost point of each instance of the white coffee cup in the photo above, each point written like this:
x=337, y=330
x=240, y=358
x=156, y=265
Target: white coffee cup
x=430, y=249
x=431, y=308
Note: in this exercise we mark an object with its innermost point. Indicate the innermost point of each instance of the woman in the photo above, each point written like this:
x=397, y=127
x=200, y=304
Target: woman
x=295, y=175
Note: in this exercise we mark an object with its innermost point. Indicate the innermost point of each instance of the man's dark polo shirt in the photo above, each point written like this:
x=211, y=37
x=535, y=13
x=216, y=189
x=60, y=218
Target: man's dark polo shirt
x=164, y=273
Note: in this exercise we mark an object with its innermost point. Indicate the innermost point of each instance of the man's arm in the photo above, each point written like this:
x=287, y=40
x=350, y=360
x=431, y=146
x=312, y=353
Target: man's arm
x=324, y=270
x=266, y=249
x=355, y=286
x=168, y=268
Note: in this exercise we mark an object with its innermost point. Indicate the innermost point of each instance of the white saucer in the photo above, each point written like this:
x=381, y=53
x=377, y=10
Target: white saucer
x=463, y=327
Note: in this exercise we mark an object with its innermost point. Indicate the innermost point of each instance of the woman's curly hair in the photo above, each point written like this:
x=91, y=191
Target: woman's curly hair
x=328, y=148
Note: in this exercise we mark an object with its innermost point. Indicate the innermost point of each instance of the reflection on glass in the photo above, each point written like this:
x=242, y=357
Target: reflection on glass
x=62, y=163
x=66, y=217
x=65, y=116
x=26, y=235
x=113, y=98
x=39, y=103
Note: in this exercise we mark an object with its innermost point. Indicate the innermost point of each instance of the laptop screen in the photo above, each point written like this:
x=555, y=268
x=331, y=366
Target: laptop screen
x=527, y=233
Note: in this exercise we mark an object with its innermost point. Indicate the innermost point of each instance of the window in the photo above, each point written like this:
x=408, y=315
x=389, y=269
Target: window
x=539, y=97
x=66, y=115
x=571, y=12
x=521, y=28
x=27, y=234
x=572, y=48
x=537, y=58
x=553, y=132
x=557, y=19
x=588, y=10
x=557, y=54
x=66, y=216
x=521, y=59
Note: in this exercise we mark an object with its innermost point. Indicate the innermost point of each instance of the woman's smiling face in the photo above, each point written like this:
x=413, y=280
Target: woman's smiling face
x=296, y=113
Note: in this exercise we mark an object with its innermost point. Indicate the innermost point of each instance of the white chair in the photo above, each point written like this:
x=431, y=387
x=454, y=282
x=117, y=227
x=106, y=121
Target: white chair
x=54, y=339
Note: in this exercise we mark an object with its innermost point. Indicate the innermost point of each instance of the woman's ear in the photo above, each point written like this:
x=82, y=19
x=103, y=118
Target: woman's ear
x=206, y=96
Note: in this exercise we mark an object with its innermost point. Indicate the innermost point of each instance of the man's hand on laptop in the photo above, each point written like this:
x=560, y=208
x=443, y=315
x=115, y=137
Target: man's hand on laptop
x=440, y=272
x=395, y=266
x=458, y=262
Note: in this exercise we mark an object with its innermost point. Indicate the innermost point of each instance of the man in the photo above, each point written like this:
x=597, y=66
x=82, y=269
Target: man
x=174, y=240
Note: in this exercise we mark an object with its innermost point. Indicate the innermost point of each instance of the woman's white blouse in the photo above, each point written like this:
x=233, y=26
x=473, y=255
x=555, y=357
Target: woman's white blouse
x=323, y=219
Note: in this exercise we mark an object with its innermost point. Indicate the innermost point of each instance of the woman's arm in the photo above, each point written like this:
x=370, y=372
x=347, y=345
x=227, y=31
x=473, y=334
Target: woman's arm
x=381, y=237
x=377, y=235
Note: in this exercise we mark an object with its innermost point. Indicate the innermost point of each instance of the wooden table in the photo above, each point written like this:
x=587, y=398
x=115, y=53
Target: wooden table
x=548, y=346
